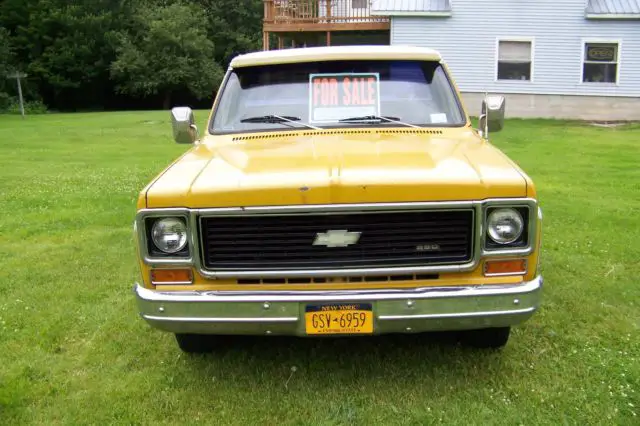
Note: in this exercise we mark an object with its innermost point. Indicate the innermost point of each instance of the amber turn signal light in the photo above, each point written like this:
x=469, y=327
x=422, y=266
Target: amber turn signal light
x=505, y=267
x=171, y=276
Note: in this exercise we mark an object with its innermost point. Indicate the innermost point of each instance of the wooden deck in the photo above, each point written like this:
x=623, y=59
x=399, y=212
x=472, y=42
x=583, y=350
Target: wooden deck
x=295, y=16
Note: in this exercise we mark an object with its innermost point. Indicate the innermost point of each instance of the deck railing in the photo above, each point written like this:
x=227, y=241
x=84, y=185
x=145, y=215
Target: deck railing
x=319, y=12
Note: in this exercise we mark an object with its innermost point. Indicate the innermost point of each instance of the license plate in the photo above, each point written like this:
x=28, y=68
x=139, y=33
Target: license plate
x=346, y=318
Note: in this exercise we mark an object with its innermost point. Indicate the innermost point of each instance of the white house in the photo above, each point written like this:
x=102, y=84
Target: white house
x=550, y=58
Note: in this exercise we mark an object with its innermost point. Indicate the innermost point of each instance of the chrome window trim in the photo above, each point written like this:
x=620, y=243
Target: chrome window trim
x=193, y=216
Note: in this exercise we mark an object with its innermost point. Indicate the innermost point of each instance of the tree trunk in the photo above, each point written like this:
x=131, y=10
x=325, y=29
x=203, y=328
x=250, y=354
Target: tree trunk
x=167, y=100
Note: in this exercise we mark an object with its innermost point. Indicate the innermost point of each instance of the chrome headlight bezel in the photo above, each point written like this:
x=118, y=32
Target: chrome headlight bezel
x=149, y=253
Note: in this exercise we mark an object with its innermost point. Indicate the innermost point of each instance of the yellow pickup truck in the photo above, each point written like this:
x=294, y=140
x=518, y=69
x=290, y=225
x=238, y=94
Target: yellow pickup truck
x=338, y=191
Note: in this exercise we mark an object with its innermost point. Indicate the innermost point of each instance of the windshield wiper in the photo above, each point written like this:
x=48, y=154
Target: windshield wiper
x=376, y=119
x=272, y=118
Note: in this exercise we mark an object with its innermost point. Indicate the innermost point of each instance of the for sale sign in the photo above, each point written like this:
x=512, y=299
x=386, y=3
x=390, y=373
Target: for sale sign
x=337, y=96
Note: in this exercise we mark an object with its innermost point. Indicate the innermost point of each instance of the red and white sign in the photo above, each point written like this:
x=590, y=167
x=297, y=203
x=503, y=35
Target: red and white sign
x=337, y=96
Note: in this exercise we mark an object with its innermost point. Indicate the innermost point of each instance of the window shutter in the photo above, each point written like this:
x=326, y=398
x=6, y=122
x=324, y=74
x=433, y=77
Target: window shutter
x=514, y=51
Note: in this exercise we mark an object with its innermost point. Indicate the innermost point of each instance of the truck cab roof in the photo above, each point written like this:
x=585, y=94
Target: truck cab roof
x=334, y=53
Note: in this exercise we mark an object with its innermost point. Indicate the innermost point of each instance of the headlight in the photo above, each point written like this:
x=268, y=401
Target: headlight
x=169, y=235
x=505, y=226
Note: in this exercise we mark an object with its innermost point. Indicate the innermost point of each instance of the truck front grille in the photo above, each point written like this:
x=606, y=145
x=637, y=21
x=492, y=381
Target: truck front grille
x=386, y=239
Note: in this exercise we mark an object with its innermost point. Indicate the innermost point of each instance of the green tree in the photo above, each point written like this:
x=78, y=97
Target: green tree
x=234, y=26
x=87, y=54
x=5, y=66
x=64, y=47
x=5, y=51
x=166, y=50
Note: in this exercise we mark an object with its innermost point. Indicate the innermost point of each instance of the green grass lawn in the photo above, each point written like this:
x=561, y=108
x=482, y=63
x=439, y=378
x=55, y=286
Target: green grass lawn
x=74, y=351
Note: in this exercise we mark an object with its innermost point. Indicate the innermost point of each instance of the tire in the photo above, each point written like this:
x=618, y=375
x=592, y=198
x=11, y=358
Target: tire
x=488, y=338
x=195, y=343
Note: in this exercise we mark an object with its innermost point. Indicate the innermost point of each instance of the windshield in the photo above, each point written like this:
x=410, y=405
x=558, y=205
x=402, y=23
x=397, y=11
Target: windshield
x=337, y=94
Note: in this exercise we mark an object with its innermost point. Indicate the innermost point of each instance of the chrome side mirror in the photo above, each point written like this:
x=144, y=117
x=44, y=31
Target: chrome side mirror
x=492, y=114
x=183, y=123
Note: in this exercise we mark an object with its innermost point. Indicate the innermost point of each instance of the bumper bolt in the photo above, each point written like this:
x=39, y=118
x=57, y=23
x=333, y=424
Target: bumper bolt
x=516, y=301
x=410, y=303
x=408, y=328
x=266, y=305
x=161, y=309
x=268, y=332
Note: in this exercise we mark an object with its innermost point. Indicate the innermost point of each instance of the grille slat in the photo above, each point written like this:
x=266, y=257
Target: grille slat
x=371, y=242
x=304, y=227
x=332, y=263
x=380, y=255
x=386, y=239
x=373, y=232
x=371, y=248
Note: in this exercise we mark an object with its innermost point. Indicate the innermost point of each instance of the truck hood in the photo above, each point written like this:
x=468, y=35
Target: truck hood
x=337, y=166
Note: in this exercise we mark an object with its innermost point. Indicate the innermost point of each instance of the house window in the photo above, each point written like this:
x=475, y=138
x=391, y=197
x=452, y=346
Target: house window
x=600, y=63
x=514, y=60
x=359, y=4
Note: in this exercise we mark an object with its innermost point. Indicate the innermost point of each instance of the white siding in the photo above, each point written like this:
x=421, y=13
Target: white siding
x=467, y=41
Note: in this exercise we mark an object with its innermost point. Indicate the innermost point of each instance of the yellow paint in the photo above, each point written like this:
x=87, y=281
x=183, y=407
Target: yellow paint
x=304, y=167
x=364, y=166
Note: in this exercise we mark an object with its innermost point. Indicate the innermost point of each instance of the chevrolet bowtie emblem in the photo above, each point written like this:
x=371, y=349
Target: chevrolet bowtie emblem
x=336, y=238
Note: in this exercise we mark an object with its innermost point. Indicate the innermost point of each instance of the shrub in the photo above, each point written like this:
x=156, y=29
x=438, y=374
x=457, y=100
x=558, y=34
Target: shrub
x=30, y=107
x=5, y=101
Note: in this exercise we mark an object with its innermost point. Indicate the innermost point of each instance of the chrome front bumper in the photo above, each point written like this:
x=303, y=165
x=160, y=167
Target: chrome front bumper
x=395, y=311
